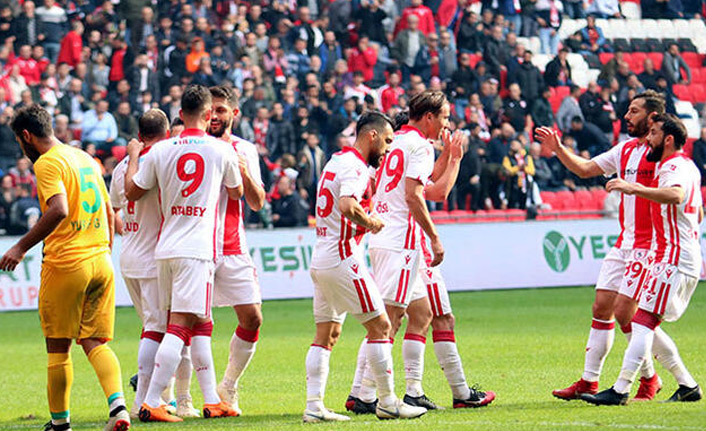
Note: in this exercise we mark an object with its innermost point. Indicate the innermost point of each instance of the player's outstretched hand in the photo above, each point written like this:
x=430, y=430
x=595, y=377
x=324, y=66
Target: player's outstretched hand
x=376, y=224
x=437, y=248
x=620, y=185
x=12, y=258
x=548, y=137
x=134, y=147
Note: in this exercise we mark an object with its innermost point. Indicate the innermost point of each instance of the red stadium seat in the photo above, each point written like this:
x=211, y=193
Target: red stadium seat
x=548, y=198
x=698, y=93
x=119, y=152
x=681, y=91
x=566, y=200
x=657, y=58
x=638, y=62
x=689, y=146
x=599, y=196
x=562, y=91
x=693, y=59
x=584, y=199
x=605, y=57
x=696, y=76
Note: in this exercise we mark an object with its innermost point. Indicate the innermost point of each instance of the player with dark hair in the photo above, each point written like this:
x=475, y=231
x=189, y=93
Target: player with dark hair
x=235, y=276
x=140, y=227
x=625, y=266
x=77, y=292
x=676, y=210
x=342, y=283
x=190, y=171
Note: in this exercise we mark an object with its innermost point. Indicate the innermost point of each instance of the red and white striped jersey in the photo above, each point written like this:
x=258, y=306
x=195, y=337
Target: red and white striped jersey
x=676, y=227
x=141, y=221
x=231, y=229
x=411, y=156
x=627, y=159
x=190, y=171
x=337, y=238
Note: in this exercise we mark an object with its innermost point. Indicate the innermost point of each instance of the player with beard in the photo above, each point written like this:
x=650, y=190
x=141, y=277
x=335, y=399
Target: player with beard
x=236, y=282
x=625, y=266
x=342, y=282
x=676, y=209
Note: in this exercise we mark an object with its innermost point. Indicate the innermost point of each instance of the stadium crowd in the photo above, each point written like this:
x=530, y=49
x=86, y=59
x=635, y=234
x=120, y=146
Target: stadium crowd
x=305, y=71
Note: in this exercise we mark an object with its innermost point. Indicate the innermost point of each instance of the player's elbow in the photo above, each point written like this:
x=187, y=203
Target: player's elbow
x=258, y=201
x=347, y=207
x=235, y=193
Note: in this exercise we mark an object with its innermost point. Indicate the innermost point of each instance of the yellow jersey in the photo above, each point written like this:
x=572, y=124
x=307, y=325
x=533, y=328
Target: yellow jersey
x=84, y=233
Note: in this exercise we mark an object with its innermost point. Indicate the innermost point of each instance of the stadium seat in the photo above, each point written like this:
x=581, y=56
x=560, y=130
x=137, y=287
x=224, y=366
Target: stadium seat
x=656, y=58
x=584, y=199
x=516, y=215
x=681, y=92
x=698, y=75
x=698, y=93
x=599, y=196
x=697, y=27
x=541, y=60
x=683, y=28
x=666, y=29
x=693, y=59
x=548, y=198
x=605, y=57
x=565, y=200
x=119, y=152
x=635, y=29
x=689, y=146
x=631, y=11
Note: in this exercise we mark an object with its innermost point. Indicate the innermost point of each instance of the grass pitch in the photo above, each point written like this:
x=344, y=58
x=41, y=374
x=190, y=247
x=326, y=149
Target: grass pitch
x=521, y=344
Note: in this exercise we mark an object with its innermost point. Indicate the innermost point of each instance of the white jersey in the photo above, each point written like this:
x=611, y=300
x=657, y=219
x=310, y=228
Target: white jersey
x=141, y=221
x=627, y=159
x=231, y=229
x=411, y=156
x=189, y=171
x=337, y=238
x=676, y=227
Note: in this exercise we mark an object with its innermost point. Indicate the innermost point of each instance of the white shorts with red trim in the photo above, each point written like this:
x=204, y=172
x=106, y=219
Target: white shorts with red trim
x=436, y=290
x=667, y=292
x=186, y=285
x=144, y=293
x=235, y=281
x=397, y=275
x=346, y=288
x=624, y=271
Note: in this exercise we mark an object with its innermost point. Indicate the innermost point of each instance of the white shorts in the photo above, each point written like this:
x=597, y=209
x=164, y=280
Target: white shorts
x=186, y=285
x=436, y=290
x=144, y=293
x=397, y=275
x=624, y=271
x=235, y=281
x=346, y=288
x=667, y=292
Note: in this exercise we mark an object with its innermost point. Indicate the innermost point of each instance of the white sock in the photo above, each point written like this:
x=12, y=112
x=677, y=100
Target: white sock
x=450, y=362
x=145, y=365
x=182, y=381
x=317, y=367
x=639, y=347
x=368, y=389
x=647, y=369
x=667, y=354
x=379, y=353
x=168, y=393
x=413, y=355
x=359, y=369
x=600, y=341
x=202, y=357
x=241, y=352
x=165, y=363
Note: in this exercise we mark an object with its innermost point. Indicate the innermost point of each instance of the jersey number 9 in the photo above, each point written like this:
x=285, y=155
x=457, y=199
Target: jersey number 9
x=196, y=176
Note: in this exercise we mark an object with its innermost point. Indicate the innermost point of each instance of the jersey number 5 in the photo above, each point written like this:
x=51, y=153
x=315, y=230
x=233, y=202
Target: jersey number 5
x=326, y=194
x=87, y=185
x=196, y=176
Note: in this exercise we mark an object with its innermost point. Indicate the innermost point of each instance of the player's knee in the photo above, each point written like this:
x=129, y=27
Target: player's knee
x=602, y=311
x=252, y=322
x=443, y=323
x=334, y=336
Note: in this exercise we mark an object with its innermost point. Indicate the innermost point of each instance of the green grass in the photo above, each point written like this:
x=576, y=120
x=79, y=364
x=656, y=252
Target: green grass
x=521, y=344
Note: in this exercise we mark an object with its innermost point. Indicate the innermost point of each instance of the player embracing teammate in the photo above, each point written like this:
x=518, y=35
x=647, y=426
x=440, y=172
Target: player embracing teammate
x=625, y=268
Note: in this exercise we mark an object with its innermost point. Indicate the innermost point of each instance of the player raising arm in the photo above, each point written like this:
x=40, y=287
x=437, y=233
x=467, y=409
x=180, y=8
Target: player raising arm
x=676, y=201
x=77, y=292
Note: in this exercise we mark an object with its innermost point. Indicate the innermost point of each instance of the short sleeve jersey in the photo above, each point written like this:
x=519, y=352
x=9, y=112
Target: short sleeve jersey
x=628, y=161
x=141, y=222
x=84, y=233
x=337, y=238
x=189, y=171
x=411, y=156
x=677, y=225
x=231, y=230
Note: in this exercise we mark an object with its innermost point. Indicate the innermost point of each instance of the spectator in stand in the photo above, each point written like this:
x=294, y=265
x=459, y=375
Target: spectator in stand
x=590, y=102
x=575, y=9
x=649, y=76
x=592, y=39
x=529, y=78
x=632, y=83
x=289, y=209
x=363, y=58
x=516, y=110
x=558, y=71
x=406, y=46
x=122, y=93
x=699, y=155
x=496, y=52
x=465, y=82
x=38, y=56
x=605, y=118
x=299, y=60
x=27, y=28
x=541, y=111
x=99, y=128
x=141, y=78
x=543, y=176
x=492, y=176
x=280, y=133
x=569, y=109
x=16, y=85
x=22, y=175
x=61, y=129
x=9, y=148
x=519, y=169
x=549, y=20
x=71, y=48
x=55, y=25
x=24, y=211
x=127, y=123
x=311, y=163
x=530, y=27
x=674, y=67
x=469, y=36
x=428, y=64
x=489, y=97
x=447, y=54
x=604, y=9
x=329, y=52
x=358, y=90
x=73, y=104
x=118, y=59
x=610, y=69
x=140, y=30
x=588, y=137
x=468, y=180
x=424, y=14
x=371, y=18
x=197, y=53
x=665, y=9
x=27, y=66
x=7, y=197
x=45, y=95
x=389, y=96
